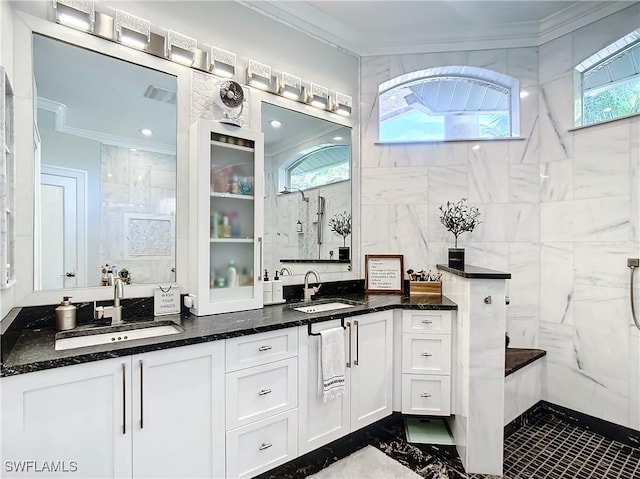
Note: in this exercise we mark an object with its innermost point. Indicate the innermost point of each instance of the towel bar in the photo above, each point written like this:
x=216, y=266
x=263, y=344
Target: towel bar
x=318, y=334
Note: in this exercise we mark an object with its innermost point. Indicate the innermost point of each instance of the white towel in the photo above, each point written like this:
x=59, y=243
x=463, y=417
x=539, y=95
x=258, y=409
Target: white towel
x=332, y=363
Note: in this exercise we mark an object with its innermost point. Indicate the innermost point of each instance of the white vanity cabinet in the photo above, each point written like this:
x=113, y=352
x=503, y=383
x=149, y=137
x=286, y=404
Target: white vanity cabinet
x=156, y=414
x=368, y=398
x=426, y=362
x=227, y=171
x=261, y=401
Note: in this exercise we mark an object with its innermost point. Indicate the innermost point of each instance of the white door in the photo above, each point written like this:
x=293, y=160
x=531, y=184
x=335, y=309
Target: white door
x=73, y=419
x=178, y=412
x=320, y=422
x=372, y=371
x=62, y=228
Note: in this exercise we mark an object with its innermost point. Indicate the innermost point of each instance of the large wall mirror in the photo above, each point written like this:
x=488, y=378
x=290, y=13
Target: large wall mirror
x=105, y=142
x=308, y=192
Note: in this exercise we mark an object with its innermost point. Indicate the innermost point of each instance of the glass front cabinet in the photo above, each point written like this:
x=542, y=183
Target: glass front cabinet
x=226, y=217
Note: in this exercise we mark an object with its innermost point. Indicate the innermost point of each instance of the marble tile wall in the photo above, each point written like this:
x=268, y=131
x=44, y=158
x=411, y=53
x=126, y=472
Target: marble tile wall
x=560, y=212
x=136, y=184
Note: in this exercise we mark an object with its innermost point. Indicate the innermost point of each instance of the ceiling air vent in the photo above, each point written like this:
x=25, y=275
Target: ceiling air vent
x=160, y=94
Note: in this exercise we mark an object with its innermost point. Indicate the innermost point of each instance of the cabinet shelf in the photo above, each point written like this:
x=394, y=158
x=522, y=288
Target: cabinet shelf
x=215, y=194
x=232, y=240
x=231, y=145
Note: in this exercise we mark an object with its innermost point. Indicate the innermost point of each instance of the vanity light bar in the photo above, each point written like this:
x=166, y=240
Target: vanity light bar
x=259, y=75
x=131, y=30
x=180, y=48
x=79, y=14
x=223, y=62
x=135, y=32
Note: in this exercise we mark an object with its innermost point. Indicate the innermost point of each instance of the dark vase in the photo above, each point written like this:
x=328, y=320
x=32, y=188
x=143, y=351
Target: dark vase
x=343, y=253
x=456, y=258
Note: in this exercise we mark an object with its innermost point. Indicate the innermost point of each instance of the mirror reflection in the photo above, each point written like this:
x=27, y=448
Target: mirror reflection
x=308, y=192
x=106, y=157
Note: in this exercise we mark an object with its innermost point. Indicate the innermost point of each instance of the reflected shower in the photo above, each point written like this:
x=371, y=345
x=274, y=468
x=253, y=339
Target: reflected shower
x=288, y=190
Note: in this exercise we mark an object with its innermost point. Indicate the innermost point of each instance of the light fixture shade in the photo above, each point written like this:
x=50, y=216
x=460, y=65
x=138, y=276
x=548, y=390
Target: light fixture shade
x=318, y=96
x=290, y=86
x=223, y=62
x=180, y=48
x=343, y=104
x=132, y=31
x=78, y=14
x=259, y=75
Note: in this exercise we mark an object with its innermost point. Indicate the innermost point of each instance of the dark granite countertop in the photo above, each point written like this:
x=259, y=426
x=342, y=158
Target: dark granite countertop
x=34, y=348
x=476, y=272
x=517, y=358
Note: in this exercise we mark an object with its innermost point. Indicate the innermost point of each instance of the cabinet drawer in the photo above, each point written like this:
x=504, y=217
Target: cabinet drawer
x=426, y=322
x=261, y=391
x=262, y=445
x=256, y=349
x=426, y=395
x=426, y=353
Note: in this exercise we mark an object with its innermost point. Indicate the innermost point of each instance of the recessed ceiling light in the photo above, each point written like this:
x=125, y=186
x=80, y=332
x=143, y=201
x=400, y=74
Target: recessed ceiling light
x=133, y=149
x=524, y=94
x=275, y=124
x=146, y=131
x=337, y=138
x=475, y=147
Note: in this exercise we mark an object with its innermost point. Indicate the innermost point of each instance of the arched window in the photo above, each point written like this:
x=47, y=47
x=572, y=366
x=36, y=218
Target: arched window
x=607, y=84
x=316, y=166
x=448, y=103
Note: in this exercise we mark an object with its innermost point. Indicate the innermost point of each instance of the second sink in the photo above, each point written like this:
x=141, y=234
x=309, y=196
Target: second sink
x=320, y=306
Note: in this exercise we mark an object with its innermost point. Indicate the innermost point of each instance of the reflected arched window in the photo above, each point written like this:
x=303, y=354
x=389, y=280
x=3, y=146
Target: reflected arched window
x=448, y=103
x=608, y=82
x=316, y=166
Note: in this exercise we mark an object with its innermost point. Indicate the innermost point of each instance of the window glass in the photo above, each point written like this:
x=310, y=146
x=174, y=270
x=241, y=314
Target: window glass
x=608, y=82
x=448, y=103
x=318, y=166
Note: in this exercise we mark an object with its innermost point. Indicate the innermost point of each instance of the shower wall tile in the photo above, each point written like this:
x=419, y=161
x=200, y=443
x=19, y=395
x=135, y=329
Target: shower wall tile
x=522, y=288
x=522, y=63
x=555, y=59
x=488, y=173
x=556, y=180
x=556, y=283
x=523, y=333
x=524, y=183
x=394, y=185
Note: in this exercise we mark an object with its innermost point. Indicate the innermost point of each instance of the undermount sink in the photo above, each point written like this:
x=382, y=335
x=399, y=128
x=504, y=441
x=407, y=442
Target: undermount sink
x=320, y=306
x=114, y=334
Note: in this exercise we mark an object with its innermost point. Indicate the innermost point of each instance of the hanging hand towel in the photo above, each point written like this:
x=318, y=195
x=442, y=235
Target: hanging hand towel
x=332, y=363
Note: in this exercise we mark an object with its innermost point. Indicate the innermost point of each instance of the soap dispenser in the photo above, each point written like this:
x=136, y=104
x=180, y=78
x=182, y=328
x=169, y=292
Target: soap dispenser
x=65, y=315
x=277, y=289
x=267, y=289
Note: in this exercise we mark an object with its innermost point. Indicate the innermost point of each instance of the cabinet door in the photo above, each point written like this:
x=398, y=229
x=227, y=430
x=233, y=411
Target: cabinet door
x=74, y=419
x=371, y=374
x=228, y=218
x=320, y=422
x=178, y=412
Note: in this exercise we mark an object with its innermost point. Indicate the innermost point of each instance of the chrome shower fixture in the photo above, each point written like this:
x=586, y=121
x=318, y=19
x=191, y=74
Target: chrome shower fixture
x=288, y=190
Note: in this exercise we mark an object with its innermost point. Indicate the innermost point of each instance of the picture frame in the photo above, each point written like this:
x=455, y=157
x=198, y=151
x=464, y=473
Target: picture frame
x=384, y=273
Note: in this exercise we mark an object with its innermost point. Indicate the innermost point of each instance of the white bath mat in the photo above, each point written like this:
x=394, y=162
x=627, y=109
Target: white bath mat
x=366, y=463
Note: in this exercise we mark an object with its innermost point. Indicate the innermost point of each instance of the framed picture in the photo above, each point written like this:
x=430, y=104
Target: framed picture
x=383, y=273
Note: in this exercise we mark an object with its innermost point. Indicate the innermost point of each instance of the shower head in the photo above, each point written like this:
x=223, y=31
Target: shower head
x=288, y=190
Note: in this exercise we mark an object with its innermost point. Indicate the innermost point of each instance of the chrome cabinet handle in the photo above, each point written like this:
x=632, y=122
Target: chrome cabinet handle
x=425, y=395
x=349, y=361
x=355, y=363
x=426, y=354
x=264, y=348
x=264, y=445
x=264, y=392
x=141, y=393
x=261, y=259
x=124, y=399
x=427, y=321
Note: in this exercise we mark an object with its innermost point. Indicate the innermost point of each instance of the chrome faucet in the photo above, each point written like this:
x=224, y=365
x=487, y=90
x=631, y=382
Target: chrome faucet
x=285, y=270
x=310, y=291
x=115, y=311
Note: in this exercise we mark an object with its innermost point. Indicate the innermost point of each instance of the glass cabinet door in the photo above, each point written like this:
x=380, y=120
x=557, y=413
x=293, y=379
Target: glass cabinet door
x=231, y=165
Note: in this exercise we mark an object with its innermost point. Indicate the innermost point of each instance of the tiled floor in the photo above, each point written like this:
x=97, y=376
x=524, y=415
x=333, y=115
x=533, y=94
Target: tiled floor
x=547, y=447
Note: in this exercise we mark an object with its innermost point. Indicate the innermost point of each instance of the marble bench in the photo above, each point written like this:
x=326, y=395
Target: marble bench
x=523, y=381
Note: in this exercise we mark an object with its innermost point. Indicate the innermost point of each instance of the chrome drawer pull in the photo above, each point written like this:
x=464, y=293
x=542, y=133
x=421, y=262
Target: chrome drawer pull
x=425, y=395
x=264, y=348
x=427, y=354
x=427, y=321
x=265, y=445
x=264, y=392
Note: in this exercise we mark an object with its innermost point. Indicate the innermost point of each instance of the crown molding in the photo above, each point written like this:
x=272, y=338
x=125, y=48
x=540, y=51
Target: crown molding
x=60, y=112
x=304, y=17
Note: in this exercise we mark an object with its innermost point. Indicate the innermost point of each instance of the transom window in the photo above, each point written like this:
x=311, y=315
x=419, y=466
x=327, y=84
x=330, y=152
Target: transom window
x=317, y=166
x=608, y=82
x=448, y=103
